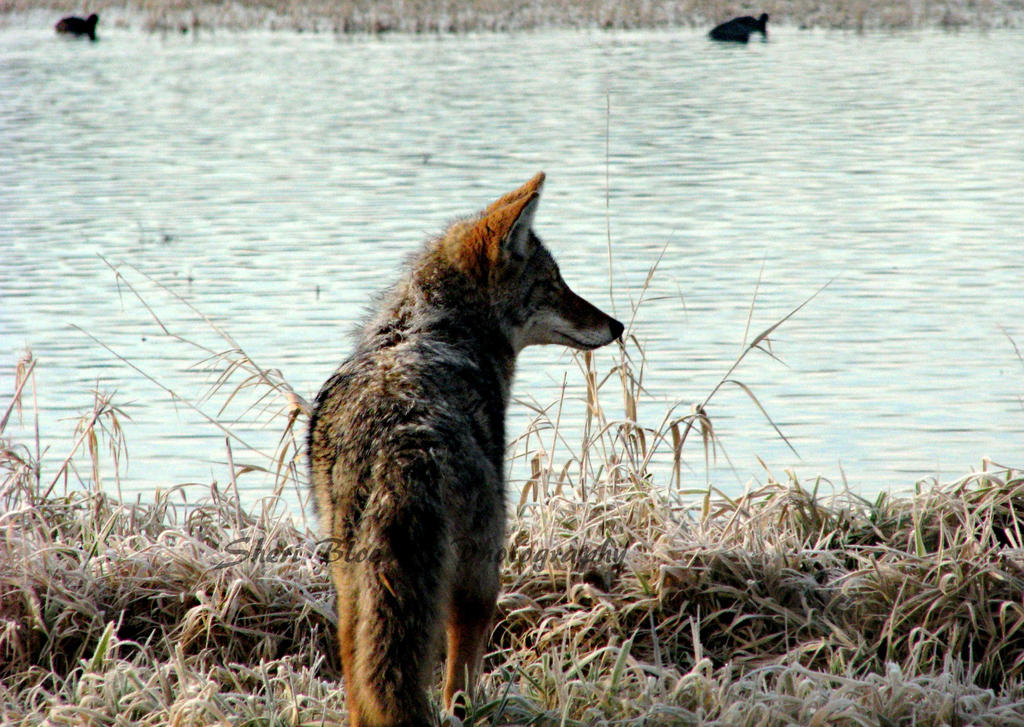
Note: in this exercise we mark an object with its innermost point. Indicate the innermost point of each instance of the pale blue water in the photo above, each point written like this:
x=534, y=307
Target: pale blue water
x=275, y=181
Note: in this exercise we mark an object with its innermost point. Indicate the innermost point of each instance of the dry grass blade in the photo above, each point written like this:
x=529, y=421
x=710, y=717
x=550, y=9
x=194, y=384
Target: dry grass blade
x=748, y=392
x=761, y=337
x=1016, y=350
x=103, y=414
x=236, y=355
x=1020, y=357
x=170, y=392
x=234, y=375
x=21, y=380
x=700, y=410
x=635, y=307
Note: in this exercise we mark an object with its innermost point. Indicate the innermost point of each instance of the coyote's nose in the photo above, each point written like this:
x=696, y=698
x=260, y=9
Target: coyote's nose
x=617, y=328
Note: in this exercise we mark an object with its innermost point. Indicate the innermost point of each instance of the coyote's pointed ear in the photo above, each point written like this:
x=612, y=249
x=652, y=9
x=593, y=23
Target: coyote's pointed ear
x=503, y=233
x=500, y=234
x=534, y=185
x=515, y=241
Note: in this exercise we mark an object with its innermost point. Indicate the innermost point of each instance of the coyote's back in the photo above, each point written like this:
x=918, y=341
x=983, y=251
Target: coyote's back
x=406, y=447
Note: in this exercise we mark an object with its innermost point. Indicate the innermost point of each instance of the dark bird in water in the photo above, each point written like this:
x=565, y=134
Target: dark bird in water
x=739, y=29
x=72, y=25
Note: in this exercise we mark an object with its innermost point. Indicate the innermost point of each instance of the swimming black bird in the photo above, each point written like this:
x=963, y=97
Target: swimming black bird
x=739, y=29
x=72, y=25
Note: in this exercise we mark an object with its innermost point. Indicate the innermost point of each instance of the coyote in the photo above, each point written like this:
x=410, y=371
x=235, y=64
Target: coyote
x=407, y=446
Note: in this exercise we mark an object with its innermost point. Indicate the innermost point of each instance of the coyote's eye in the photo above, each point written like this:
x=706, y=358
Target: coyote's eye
x=535, y=293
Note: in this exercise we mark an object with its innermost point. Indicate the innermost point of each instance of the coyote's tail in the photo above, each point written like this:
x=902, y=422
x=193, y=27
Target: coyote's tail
x=397, y=613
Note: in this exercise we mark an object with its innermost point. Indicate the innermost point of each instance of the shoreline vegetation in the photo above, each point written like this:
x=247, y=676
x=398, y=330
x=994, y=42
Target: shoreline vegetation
x=776, y=608
x=625, y=600
x=452, y=16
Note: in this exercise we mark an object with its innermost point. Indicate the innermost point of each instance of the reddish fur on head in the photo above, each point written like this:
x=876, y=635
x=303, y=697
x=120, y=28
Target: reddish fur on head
x=474, y=246
x=531, y=187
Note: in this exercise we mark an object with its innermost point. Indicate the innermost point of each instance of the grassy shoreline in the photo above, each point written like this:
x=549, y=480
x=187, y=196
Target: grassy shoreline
x=775, y=608
x=623, y=603
x=450, y=16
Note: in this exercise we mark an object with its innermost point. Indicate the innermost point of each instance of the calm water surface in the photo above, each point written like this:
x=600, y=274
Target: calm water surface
x=276, y=181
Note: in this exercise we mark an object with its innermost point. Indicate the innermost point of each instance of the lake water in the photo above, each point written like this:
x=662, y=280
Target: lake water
x=275, y=181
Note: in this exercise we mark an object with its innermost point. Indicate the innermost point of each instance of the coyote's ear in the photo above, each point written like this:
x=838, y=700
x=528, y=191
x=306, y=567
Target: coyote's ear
x=516, y=241
x=534, y=185
x=501, y=233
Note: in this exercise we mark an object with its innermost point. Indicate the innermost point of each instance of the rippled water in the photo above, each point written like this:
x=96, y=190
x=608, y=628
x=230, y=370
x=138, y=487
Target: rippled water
x=276, y=181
